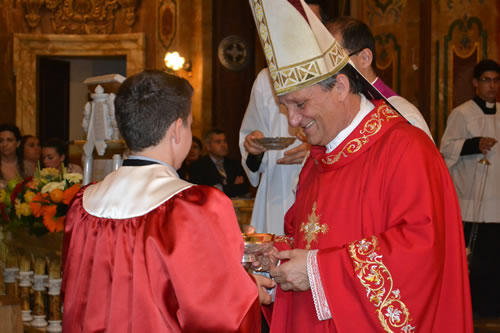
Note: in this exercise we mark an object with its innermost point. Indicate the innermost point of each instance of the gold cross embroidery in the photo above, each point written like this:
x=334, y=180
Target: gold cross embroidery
x=312, y=228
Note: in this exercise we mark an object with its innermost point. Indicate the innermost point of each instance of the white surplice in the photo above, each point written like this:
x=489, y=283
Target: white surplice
x=467, y=121
x=275, y=193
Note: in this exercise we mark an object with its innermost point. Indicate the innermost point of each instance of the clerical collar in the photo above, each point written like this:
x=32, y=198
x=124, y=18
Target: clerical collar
x=487, y=107
x=364, y=108
x=148, y=161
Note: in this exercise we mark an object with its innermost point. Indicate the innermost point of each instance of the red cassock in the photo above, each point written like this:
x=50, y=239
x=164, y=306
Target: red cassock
x=382, y=211
x=176, y=268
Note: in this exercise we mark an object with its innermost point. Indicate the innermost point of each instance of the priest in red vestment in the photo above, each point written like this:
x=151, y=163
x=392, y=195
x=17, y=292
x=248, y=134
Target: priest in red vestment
x=374, y=240
x=145, y=251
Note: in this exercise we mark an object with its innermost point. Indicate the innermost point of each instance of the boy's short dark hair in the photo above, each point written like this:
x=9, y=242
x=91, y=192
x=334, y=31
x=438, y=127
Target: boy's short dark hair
x=147, y=104
x=486, y=65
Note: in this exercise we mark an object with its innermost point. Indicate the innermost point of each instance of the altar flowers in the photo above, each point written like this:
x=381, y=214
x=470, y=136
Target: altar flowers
x=39, y=203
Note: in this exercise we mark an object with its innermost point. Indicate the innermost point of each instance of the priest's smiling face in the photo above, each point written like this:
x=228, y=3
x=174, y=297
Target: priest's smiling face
x=320, y=112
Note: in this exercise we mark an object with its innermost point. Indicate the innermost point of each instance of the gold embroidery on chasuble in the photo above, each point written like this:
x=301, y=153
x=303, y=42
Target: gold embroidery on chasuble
x=372, y=126
x=312, y=228
x=376, y=278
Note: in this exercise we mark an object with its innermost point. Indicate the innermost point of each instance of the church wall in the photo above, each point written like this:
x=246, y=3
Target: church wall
x=463, y=33
x=425, y=49
x=159, y=20
x=414, y=70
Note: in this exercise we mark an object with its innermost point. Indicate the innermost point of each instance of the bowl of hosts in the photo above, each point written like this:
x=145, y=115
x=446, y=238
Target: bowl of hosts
x=30, y=150
x=11, y=159
x=54, y=156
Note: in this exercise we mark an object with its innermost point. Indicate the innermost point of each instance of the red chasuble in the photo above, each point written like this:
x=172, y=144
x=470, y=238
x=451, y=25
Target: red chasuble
x=176, y=268
x=382, y=210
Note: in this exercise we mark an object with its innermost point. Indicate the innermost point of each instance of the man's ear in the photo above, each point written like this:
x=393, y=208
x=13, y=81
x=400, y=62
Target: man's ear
x=177, y=130
x=475, y=83
x=365, y=58
x=342, y=86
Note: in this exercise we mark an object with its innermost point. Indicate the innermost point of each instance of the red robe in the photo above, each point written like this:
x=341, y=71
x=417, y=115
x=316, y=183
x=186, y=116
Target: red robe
x=382, y=210
x=176, y=268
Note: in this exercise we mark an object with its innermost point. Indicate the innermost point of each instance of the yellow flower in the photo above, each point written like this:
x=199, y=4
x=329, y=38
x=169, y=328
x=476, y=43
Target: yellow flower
x=28, y=196
x=51, y=186
x=3, y=196
x=49, y=172
x=22, y=208
x=74, y=177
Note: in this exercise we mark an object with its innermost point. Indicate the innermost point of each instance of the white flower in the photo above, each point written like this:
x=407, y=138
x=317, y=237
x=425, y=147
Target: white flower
x=74, y=177
x=52, y=186
x=394, y=314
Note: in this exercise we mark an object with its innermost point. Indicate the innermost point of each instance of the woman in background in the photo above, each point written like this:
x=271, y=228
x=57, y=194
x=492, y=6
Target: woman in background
x=30, y=148
x=11, y=159
x=193, y=155
x=54, y=156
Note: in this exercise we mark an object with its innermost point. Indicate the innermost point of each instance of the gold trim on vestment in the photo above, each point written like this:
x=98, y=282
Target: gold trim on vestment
x=377, y=280
x=372, y=126
x=312, y=228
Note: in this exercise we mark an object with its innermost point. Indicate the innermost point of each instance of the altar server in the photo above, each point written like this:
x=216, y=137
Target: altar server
x=145, y=251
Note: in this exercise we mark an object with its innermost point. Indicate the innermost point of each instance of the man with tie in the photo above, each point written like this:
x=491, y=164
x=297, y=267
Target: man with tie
x=145, y=251
x=215, y=169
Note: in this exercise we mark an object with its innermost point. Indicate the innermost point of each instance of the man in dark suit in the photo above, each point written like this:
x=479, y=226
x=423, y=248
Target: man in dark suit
x=217, y=170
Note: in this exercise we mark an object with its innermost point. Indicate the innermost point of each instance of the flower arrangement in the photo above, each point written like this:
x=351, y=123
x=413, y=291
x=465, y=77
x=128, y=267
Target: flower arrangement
x=39, y=203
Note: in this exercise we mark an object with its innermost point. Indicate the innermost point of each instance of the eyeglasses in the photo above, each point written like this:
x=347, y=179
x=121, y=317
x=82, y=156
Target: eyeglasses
x=355, y=52
x=489, y=80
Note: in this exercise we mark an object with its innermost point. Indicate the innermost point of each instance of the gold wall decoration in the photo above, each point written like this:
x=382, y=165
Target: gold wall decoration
x=80, y=16
x=32, y=10
x=384, y=12
x=129, y=6
x=167, y=22
x=28, y=47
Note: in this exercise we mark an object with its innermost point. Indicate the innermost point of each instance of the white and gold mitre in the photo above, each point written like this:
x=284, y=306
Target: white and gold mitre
x=299, y=49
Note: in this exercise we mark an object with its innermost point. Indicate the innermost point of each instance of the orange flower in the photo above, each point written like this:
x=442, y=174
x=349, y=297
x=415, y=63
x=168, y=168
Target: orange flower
x=56, y=195
x=70, y=193
x=52, y=223
x=37, y=204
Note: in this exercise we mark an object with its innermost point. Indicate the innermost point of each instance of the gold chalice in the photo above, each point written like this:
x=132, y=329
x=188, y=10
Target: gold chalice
x=255, y=245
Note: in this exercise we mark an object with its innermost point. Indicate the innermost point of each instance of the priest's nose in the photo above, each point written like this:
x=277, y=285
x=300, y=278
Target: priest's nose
x=294, y=117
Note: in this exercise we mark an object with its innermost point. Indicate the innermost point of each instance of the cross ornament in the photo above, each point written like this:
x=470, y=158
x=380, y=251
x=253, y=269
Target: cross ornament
x=312, y=228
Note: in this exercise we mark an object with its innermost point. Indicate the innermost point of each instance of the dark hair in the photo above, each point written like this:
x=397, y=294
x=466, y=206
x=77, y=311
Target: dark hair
x=320, y=3
x=352, y=75
x=25, y=138
x=147, y=104
x=356, y=35
x=17, y=134
x=197, y=141
x=208, y=135
x=486, y=65
x=59, y=145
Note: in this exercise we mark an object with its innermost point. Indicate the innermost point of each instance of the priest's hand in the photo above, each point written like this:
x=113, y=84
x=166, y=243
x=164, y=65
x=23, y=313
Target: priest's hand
x=295, y=155
x=486, y=143
x=264, y=284
x=292, y=275
x=251, y=146
x=265, y=261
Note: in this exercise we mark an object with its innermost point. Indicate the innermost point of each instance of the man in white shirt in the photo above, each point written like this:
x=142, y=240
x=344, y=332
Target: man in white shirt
x=472, y=131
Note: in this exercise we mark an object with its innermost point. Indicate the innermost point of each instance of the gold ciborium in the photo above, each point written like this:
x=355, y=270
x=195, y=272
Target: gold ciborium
x=255, y=245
